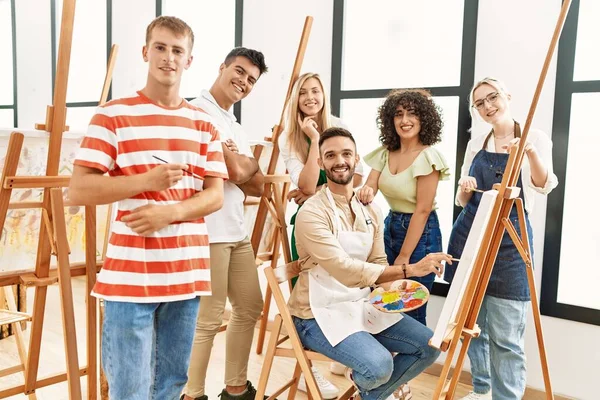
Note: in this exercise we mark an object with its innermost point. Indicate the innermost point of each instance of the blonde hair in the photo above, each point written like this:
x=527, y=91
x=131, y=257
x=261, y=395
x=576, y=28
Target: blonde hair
x=174, y=24
x=297, y=142
x=493, y=82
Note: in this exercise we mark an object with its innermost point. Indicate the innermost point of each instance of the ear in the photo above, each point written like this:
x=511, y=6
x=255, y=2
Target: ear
x=189, y=62
x=508, y=96
x=320, y=162
x=357, y=158
x=145, y=53
x=222, y=67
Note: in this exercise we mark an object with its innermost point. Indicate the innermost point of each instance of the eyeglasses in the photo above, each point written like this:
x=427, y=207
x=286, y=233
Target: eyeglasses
x=490, y=98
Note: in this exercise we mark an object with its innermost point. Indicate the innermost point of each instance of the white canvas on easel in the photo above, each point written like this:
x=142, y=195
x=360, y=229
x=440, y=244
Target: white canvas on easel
x=465, y=267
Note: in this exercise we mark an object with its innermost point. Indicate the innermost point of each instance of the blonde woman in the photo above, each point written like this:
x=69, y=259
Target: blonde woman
x=307, y=116
x=497, y=356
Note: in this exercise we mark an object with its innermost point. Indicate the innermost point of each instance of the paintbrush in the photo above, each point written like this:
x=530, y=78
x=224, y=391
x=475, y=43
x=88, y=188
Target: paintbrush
x=185, y=171
x=476, y=190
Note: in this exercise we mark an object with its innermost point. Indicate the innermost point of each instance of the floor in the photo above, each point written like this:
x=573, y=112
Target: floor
x=52, y=357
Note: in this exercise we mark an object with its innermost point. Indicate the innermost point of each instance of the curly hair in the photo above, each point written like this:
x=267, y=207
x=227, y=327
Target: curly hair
x=425, y=109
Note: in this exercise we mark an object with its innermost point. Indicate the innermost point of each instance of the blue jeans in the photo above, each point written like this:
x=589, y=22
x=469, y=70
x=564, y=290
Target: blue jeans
x=146, y=348
x=375, y=371
x=497, y=356
x=394, y=234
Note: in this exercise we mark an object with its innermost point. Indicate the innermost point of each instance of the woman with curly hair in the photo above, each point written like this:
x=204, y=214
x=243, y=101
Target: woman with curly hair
x=406, y=169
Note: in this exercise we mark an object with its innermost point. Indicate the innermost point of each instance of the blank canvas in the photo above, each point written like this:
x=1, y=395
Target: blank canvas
x=465, y=267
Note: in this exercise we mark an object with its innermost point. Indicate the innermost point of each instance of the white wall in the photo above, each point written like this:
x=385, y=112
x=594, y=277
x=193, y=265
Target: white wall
x=34, y=60
x=512, y=41
x=130, y=19
x=274, y=27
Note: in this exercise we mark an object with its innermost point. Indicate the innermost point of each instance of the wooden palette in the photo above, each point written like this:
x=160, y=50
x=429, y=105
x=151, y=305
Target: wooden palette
x=404, y=295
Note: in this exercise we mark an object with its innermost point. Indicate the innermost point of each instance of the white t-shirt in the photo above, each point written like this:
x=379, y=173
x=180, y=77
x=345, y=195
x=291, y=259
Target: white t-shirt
x=292, y=161
x=227, y=224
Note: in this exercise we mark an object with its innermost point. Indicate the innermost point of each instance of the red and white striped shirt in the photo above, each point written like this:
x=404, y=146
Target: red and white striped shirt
x=173, y=263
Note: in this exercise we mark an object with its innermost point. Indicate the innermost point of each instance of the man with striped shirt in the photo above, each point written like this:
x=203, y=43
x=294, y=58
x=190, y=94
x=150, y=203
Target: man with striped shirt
x=166, y=171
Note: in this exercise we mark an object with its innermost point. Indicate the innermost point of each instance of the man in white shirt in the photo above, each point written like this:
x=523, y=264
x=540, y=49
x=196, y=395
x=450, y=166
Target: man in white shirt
x=233, y=270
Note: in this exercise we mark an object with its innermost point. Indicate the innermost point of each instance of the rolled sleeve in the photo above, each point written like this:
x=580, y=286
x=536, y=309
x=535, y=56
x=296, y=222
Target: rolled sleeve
x=464, y=171
x=293, y=165
x=315, y=234
x=543, y=146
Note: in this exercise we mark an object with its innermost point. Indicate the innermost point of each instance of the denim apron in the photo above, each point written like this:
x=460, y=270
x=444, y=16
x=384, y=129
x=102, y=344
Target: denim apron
x=509, y=275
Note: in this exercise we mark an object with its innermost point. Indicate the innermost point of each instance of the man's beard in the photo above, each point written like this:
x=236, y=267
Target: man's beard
x=340, y=181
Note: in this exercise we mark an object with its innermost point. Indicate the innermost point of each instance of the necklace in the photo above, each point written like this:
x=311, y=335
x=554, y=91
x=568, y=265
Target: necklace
x=502, y=137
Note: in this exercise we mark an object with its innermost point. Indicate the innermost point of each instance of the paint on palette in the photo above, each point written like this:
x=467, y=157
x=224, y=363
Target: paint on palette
x=404, y=295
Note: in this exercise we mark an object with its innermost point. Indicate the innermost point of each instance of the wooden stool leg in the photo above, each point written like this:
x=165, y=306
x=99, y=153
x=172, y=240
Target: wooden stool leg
x=269, y=357
x=294, y=387
x=264, y=319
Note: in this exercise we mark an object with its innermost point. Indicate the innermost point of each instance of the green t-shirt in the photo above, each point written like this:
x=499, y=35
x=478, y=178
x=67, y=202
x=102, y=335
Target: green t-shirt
x=400, y=190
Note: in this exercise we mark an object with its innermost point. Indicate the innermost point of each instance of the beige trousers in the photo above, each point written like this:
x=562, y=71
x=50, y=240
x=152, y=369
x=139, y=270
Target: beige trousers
x=233, y=275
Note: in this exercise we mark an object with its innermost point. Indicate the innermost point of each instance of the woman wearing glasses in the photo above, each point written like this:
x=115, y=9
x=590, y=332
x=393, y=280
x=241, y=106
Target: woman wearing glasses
x=497, y=356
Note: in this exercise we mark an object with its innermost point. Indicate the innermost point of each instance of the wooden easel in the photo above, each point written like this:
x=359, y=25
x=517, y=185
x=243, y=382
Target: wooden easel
x=53, y=241
x=112, y=59
x=465, y=326
x=274, y=198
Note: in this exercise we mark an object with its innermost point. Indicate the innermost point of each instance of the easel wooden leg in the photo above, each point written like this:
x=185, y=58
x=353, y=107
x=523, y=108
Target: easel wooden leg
x=267, y=302
x=280, y=198
x=458, y=367
x=470, y=306
x=11, y=162
x=280, y=241
x=103, y=381
x=523, y=246
x=17, y=330
x=91, y=303
x=445, y=389
x=66, y=294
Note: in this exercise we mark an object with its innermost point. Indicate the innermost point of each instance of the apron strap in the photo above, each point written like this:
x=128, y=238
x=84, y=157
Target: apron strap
x=517, y=131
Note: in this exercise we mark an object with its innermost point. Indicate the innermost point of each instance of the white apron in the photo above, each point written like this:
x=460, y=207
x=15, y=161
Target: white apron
x=339, y=310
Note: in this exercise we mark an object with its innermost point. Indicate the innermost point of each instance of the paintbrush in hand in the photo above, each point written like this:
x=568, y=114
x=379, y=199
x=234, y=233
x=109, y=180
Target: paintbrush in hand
x=185, y=171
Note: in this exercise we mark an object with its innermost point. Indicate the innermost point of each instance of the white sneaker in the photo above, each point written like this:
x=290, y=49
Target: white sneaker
x=337, y=368
x=328, y=389
x=402, y=393
x=478, y=396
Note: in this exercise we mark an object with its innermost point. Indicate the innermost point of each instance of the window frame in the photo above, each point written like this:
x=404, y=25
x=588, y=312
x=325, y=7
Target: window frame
x=239, y=18
x=14, y=104
x=239, y=29
x=54, y=52
x=467, y=78
x=565, y=88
